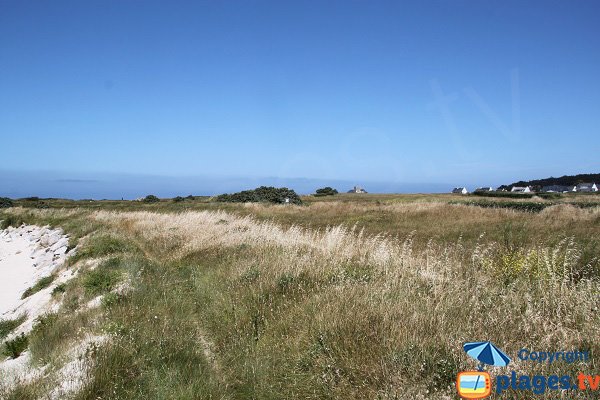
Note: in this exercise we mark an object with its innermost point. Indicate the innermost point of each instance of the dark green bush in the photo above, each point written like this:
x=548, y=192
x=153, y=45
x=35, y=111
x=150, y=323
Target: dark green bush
x=511, y=195
x=8, y=325
x=527, y=206
x=326, y=191
x=151, y=199
x=5, y=202
x=178, y=199
x=13, y=348
x=262, y=194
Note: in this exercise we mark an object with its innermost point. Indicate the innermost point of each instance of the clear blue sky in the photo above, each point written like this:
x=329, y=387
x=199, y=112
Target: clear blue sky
x=423, y=92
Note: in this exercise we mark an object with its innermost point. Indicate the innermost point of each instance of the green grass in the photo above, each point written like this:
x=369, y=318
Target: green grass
x=10, y=220
x=59, y=289
x=8, y=325
x=103, y=278
x=41, y=284
x=103, y=245
x=53, y=333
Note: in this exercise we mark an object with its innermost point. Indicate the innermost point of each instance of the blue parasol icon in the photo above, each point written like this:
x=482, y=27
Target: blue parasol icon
x=486, y=353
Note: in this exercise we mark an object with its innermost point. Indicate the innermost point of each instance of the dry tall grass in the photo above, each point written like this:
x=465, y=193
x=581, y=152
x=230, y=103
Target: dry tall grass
x=336, y=312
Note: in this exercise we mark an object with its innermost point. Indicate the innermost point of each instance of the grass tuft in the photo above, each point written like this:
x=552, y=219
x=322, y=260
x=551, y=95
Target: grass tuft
x=104, y=278
x=41, y=284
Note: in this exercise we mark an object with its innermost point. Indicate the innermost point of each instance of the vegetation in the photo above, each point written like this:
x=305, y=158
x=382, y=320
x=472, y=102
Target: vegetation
x=5, y=202
x=527, y=206
x=59, y=289
x=43, y=283
x=13, y=348
x=326, y=191
x=8, y=325
x=345, y=297
x=151, y=199
x=262, y=194
x=103, y=245
x=566, y=180
x=512, y=195
x=102, y=279
x=10, y=220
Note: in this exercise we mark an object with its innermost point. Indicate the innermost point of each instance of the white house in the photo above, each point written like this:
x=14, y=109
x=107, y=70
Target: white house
x=558, y=189
x=586, y=187
x=484, y=189
x=521, y=189
x=460, y=190
x=357, y=189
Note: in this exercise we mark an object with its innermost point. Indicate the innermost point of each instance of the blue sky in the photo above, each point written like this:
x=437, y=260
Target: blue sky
x=397, y=93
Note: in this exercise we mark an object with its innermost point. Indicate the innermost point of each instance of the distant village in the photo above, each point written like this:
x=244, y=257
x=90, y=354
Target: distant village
x=582, y=187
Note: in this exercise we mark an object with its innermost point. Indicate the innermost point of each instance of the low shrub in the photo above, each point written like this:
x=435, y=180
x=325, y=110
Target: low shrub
x=262, y=194
x=8, y=325
x=511, y=195
x=326, y=191
x=527, y=206
x=5, y=202
x=178, y=199
x=13, y=348
x=151, y=199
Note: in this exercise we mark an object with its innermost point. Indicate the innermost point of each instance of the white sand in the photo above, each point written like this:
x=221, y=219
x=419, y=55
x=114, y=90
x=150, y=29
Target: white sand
x=16, y=269
x=27, y=254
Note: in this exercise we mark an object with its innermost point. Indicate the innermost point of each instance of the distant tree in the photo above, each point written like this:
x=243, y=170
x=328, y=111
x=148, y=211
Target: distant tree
x=151, y=199
x=5, y=202
x=178, y=199
x=566, y=180
x=326, y=191
x=190, y=197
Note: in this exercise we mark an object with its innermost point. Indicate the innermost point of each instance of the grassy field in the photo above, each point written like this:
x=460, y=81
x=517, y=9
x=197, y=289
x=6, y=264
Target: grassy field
x=351, y=296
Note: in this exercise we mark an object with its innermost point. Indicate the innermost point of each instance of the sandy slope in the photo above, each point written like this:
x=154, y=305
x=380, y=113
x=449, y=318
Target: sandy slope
x=16, y=269
x=27, y=254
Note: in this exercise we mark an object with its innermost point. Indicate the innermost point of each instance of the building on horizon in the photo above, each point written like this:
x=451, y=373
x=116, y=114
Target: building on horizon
x=357, y=189
x=558, y=189
x=460, y=190
x=521, y=189
x=586, y=187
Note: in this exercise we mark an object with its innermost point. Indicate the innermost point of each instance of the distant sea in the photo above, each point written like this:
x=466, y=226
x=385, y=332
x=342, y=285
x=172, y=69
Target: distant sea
x=18, y=184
